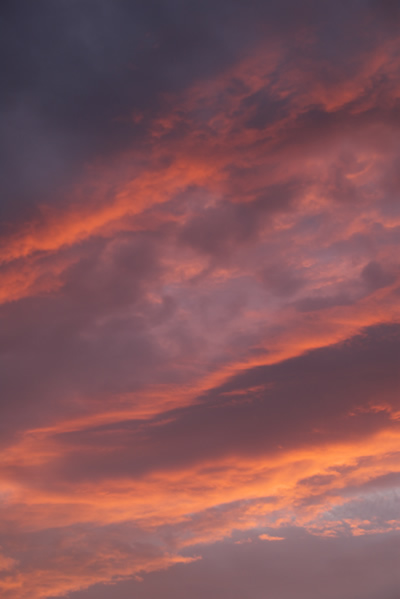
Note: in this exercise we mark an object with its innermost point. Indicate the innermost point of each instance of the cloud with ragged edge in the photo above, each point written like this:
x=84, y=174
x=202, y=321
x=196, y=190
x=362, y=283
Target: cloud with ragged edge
x=199, y=304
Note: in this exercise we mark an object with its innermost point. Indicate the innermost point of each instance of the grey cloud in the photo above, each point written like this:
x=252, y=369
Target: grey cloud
x=219, y=230
x=376, y=277
x=91, y=337
x=281, y=280
x=302, y=401
x=302, y=566
x=77, y=71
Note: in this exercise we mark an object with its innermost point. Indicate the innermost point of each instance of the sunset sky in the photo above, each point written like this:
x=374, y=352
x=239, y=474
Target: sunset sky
x=200, y=299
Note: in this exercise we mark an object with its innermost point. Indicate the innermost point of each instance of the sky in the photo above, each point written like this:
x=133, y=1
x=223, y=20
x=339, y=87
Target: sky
x=200, y=299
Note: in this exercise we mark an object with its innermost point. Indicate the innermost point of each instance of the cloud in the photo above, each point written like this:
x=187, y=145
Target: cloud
x=307, y=566
x=199, y=316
